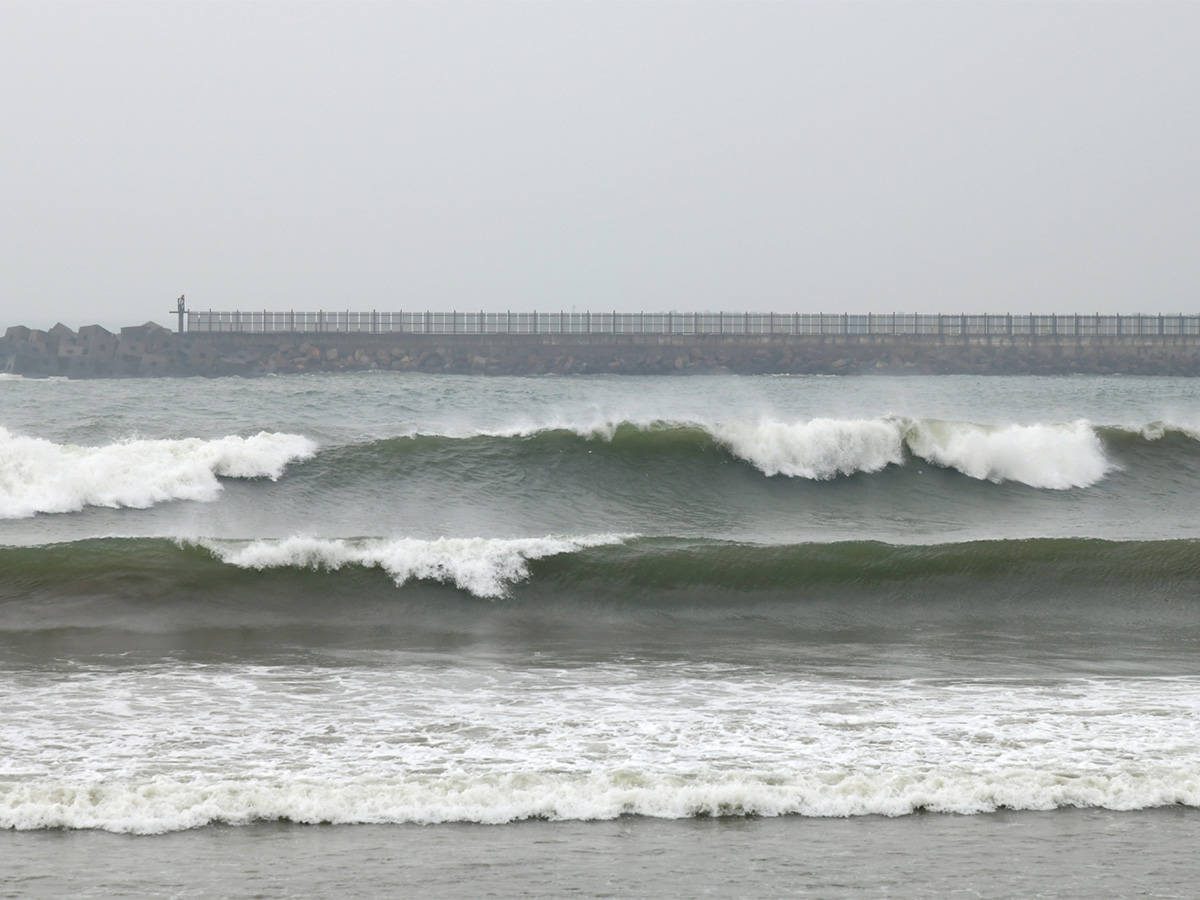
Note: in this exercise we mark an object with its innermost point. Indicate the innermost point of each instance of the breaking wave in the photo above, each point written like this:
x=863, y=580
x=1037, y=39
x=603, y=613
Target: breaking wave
x=580, y=570
x=39, y=476
x=169, y=804
x=481, y=566
x=1056, y=456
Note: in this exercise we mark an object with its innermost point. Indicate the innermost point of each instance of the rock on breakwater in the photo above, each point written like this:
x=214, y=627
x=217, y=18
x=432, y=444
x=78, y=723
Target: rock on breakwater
x=151, y=350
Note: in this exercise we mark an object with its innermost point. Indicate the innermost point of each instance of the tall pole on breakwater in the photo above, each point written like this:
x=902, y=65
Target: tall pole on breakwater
x=181, y=312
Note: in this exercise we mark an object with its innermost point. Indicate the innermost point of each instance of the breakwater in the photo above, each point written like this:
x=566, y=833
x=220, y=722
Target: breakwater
x=1143, y=345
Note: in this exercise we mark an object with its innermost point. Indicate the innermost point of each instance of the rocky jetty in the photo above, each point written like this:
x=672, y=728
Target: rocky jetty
x=152, y=350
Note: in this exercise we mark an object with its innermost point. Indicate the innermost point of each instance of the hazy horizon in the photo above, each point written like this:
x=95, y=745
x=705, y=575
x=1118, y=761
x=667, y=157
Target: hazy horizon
x=742, y=157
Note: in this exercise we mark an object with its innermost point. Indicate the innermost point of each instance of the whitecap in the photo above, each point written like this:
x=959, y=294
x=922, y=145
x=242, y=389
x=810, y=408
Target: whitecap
x=40, y=476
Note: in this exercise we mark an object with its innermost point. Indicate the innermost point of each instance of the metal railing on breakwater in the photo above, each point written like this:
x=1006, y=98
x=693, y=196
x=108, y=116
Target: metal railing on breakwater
x=724, y=323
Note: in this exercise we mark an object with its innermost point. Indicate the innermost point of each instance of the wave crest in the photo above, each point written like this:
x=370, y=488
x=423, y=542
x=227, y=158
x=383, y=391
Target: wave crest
x=819, y=449
x=485, y=567
x=1057, y=457
x=40, y=476
x=167, y=804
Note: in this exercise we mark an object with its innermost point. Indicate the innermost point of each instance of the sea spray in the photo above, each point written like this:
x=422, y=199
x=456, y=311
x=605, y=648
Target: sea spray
x=1057, y=457
x=818, y=449
x=39, y=476
x=1054, y=456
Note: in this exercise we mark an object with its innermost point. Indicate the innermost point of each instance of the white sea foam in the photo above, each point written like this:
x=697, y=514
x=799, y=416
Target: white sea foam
x=1056, y=456
x=169, y=748
x=1042, y=456
x=1157, y=430
x=39, y=476
x=596, y=428
x=485, y=567
x=167, y=804
x=818, y=449
x=163, y=748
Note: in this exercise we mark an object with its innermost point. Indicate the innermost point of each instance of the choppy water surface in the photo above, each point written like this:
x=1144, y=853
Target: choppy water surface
x=398, y=600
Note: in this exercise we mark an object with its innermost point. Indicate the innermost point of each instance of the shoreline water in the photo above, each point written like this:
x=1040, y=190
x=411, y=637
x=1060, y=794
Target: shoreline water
x=1065, y=854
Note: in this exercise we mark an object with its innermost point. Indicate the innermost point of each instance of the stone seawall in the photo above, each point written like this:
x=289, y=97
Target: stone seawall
x=151, y=350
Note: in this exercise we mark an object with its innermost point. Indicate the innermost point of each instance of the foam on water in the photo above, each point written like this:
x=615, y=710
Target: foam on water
x=1156, y=431
x=174, y=747
x=171, y=804
x=39, y=476
x=484, y=567
x=1042, y=456
x=1055, y=456
x=818, y=449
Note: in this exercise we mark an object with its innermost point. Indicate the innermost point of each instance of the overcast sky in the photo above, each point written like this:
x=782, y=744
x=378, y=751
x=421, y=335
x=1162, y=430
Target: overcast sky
x=799, y=157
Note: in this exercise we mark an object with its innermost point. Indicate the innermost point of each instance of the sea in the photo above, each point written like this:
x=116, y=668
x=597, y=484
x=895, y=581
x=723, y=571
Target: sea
x=387, y=634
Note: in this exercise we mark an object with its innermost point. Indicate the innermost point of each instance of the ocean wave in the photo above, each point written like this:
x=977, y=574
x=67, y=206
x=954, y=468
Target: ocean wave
x=715, y=578
x=165, y=804
x=1158, y=430
x=817, y=449
x=485, y=567
x=39, y=476
x=1056, y=456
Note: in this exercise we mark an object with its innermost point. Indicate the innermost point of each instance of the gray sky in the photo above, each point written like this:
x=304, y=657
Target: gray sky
x=801, y=157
